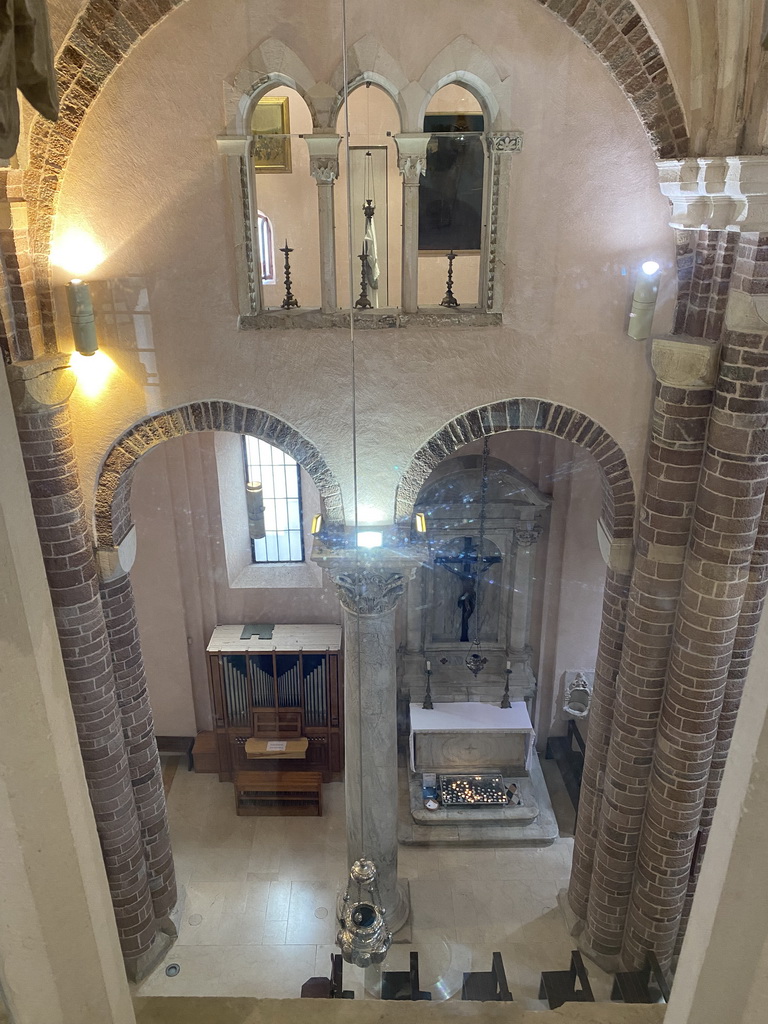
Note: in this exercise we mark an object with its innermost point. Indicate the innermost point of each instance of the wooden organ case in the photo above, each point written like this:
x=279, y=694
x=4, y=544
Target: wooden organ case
x=298, y=669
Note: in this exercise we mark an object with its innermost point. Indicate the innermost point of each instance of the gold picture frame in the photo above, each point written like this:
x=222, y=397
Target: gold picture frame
x=271, y=118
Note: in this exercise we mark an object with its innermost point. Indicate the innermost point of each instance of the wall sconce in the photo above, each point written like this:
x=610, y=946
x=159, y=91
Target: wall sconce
x=254, y=500
x=81, y=316
x=644, y=301
x=420, y=522
x=317, y=525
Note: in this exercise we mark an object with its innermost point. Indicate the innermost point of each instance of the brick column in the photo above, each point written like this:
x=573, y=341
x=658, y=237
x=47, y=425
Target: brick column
x=598, y=736
x=746, y=631
x=40, y=391
x=685, y=372
x=139, y=734
x=729, y=503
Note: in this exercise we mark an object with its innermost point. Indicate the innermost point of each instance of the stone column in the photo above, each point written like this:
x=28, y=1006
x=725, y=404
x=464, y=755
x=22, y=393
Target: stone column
x=324, y=168
x=500, y=146
x=138, y=727
x=369, y=584
x=526, y=535
x=685, y=371
x=412, y=162
x=729, y=503
x=59, y=948
x=40, y=392
x=609, y=648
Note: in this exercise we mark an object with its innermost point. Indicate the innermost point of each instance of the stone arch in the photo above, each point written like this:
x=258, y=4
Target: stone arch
x=271, y=64
x=618, y=514
x=113, y=491
x=361, y=79
x=618, y=34
x=369, y=61
x=463, y=62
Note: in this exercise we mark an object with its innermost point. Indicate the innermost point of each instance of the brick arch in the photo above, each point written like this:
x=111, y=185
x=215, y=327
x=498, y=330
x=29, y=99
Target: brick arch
x=107, y=30
x=618, y=513
x=113, y=491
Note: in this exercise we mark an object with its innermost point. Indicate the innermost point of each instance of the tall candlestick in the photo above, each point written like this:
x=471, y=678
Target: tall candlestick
x=429, y=666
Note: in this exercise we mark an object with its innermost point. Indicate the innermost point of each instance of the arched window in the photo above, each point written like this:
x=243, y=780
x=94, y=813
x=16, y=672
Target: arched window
x=266, y=249
x=279, y=477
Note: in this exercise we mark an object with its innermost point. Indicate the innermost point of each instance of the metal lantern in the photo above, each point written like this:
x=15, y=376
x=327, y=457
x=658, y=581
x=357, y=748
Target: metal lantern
x=363, y=937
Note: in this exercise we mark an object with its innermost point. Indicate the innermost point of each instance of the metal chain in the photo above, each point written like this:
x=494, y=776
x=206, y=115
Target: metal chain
x=479, y=564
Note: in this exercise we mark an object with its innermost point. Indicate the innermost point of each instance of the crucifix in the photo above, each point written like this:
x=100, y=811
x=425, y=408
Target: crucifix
x=467, y=566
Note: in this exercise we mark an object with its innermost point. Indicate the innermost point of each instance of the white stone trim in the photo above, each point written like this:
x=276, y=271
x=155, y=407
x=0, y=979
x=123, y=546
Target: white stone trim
x=727, y=193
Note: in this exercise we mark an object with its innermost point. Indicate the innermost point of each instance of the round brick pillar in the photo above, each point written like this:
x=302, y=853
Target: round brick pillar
x=743, y=645
x=40, y=392
x=729, y=503
x=139, y=734
x=598, y=737
x=685, y=372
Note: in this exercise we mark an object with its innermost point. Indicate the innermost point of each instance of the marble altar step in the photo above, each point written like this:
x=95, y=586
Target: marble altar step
x=541, y=831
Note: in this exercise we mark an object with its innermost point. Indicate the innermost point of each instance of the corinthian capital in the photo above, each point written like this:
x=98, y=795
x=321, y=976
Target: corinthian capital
x=324, y=169
x=412, y=156
x=368, y=592
x=526, y=536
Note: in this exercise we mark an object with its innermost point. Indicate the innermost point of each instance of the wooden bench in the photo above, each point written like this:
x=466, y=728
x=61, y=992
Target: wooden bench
x=404, y=984
x=327, y=988
x=559, y=987
x=278, y=793
x=646, y=986
x=487, y=986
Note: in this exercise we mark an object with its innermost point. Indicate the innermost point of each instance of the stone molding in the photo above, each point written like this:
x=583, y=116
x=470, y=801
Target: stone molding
x=41, y=383
x=323, y=157
x=365, y=320
x=728, y=193
x=747, y=313
x=504, y=142
x=412, y=156
x=618, y=555
x=116, y=561
x=683, y=362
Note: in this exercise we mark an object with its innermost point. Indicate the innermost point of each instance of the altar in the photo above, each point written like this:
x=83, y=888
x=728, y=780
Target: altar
x=468, y=736
x=475, y=744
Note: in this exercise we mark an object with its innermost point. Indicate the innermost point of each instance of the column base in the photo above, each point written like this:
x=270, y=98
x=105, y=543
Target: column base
x=610, y=963
x=138, y=970
x=399, y=916
x=573, y=923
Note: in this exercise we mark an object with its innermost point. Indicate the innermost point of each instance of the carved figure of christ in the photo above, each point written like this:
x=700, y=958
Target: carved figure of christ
x=465, y=566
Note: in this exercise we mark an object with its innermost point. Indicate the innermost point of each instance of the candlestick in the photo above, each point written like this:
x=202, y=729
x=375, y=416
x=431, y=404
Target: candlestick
x=429, y=666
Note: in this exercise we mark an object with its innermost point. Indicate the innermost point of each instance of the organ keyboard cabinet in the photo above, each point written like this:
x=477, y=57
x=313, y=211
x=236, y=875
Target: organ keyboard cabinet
x=299, y=669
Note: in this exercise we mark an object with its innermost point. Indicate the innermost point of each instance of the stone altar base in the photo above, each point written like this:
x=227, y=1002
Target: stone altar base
x=532, y=823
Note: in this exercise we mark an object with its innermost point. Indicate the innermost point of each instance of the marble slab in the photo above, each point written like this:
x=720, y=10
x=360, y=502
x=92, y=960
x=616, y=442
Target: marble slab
x=310, y=637
x=471, y=736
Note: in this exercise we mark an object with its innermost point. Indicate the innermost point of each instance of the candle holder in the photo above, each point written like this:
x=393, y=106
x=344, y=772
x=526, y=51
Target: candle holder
x=428, y=705
x=505, y=701
x=449, y=299
x=289, y=302
x=363, y=302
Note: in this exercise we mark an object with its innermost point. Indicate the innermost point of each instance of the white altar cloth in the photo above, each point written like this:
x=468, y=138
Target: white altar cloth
x=469, y=717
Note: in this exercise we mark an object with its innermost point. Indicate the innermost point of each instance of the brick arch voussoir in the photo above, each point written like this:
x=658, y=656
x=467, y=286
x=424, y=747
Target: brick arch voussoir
x=551, y=418
x=113, y=491
x=616, y=32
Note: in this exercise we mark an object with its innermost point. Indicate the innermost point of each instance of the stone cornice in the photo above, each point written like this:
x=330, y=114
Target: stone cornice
x=684, y=362
x=41, y=383
x=728, y=193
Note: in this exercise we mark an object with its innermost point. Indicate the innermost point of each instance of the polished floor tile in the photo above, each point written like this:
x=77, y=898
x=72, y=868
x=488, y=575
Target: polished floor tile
x=258, y=904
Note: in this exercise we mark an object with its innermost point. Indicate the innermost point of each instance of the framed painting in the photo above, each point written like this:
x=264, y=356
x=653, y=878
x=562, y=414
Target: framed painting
x=451, y=191
x=271, y=129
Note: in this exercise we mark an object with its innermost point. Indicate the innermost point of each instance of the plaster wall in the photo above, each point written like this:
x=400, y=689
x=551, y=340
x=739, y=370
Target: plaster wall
x=146, y=180
x=181, y=582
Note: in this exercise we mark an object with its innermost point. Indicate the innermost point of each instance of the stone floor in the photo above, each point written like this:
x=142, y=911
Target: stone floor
x=257, y=917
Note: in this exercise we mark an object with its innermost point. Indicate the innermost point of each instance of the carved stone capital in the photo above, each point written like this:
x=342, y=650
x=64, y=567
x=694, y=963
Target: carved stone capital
x=368, y=592
x=683, y=362
x=504, y=142
x=412, y=156
x=324, y=169
x=527, y=535
x=724, y=193
x=41, y=383
x=323, y=157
